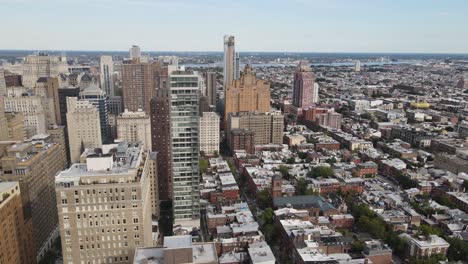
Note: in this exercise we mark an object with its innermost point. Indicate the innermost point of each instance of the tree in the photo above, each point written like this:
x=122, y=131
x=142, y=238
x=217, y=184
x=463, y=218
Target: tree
x=284, y=171
x=302, y=186
x=302, y=155
x=331, y=160
x=267, y=216
x=203, y=165
x=264, y=199
x=357, y=246
x=322, y=171
x=428, y=230
x=465, y=185
x=291, y=160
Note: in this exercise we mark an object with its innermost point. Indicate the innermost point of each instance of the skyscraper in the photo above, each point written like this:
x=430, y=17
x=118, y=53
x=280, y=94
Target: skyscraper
x=135, y=52
x=184, y=120
x=18, y=245
x=229, y=60
x=63, y=93
x=357, y=66
x=34, y=164
x=107, y=75
x=105, y=205
x=211, y=87
x=84, y=127
x=160, y=139
x=36, y=111
x=139, y=84
x=209, y=132
x=247, y=95
x=98, y=98
x=305, y=92
x=134, y=127
x=237, y=66
x=42, y=65
x=268, y=127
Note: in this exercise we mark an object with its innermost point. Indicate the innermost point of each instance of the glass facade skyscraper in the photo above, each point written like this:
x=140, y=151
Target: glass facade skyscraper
x=184, y=93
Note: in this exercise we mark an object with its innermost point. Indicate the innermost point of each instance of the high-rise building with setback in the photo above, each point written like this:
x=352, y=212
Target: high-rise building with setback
x=134, y=127
x=247, y=95
x=84, y=127
x=104, y=205
x=17, y=245
x=267, y=127
x=185, y=129
x=209, y=133
x=211, y=87
x=229, y=68
x=107, y=75
x=305, y=92
x=34, y=164
x=42, y=65
x=139, y=84
x=98, y=98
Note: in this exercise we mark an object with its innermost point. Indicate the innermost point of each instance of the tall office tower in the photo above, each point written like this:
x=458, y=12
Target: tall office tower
x=209, y=132
x=107, y=75
x=305, y=92
x=63, y=94
x=98, y=98
x=134, y=127
x=84, y=127
x=184, y=121
x=37, y=112
x=58, y=136
x=48, y=87
x=114, y=105
x=34, y=164
x=17, y=241
x=357, y=66
x=104, y=206
x=247, y=95
x=3, y=87
x=211, y=87
x=135, y=52
x=229, y=60
x=3, y=121
x=42, y=65
x=237, y=66
x=268, y=127
x=139, y=85
x=160, y=140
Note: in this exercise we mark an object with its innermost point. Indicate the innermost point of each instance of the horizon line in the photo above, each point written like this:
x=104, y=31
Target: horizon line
x=311, y=52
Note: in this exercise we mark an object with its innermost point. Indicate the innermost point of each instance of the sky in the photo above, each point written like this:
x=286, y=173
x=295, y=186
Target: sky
x=393, y=26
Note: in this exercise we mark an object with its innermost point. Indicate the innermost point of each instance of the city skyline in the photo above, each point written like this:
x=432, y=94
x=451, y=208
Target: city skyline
x=306, y=26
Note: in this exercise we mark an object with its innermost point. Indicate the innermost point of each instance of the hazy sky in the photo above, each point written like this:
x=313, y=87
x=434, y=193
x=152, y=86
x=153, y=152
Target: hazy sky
x=259, y=25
